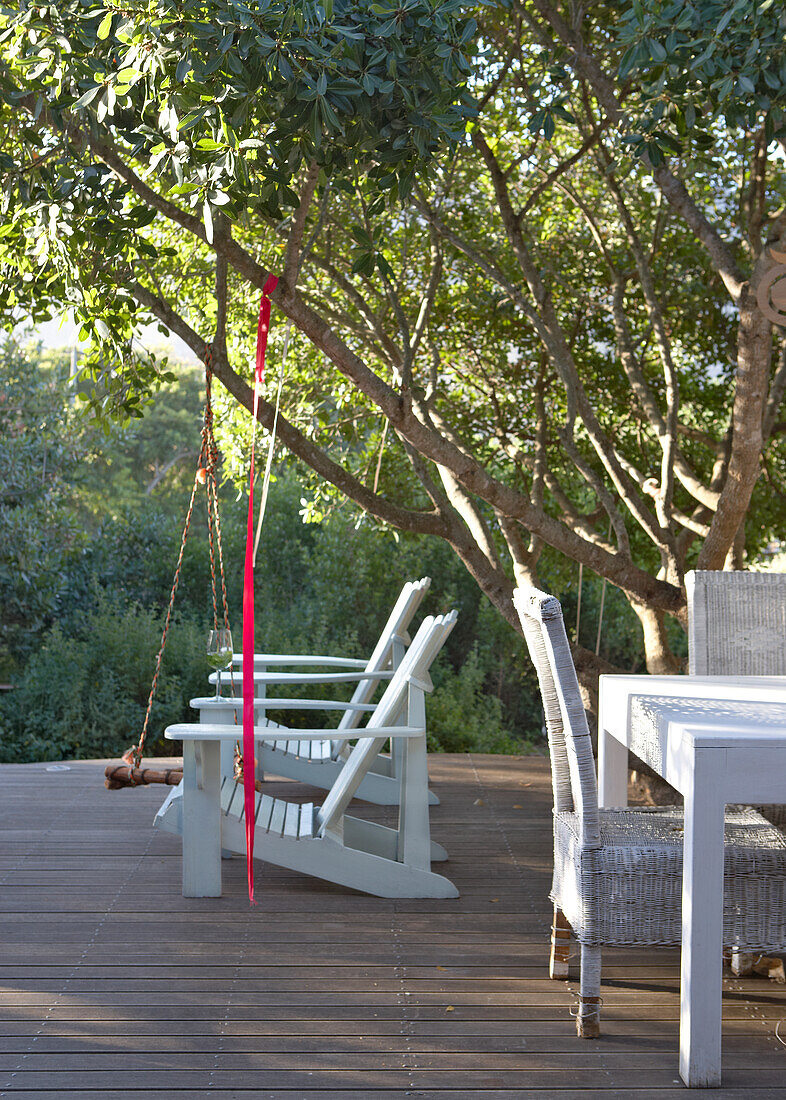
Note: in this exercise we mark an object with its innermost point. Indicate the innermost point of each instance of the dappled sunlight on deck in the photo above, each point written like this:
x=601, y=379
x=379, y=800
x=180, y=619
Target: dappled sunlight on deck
x=112, y=985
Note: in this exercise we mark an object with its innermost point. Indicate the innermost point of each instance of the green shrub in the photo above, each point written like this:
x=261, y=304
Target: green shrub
x=84, y=692
x=320, y=588
x=462, y=717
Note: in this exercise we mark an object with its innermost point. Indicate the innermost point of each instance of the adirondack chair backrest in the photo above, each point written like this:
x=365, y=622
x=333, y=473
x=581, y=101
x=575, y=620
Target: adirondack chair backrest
x=570, y=746
x=389, y=650
x=412, y=674
x=736, y=623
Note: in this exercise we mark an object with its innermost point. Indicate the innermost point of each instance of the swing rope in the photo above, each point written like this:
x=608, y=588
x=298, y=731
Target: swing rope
x=130, y=773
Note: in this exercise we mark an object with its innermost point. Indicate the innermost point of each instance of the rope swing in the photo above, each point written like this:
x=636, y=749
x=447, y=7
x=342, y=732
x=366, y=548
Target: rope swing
x=131, y=773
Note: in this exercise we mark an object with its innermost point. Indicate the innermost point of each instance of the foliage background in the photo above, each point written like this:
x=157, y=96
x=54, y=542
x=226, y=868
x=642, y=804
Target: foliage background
x=81, y=627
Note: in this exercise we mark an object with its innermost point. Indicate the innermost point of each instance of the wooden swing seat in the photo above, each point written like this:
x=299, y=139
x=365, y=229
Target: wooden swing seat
x=122, y=775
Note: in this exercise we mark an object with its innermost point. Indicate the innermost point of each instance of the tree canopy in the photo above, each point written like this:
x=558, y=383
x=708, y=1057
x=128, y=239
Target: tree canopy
x=520, y=246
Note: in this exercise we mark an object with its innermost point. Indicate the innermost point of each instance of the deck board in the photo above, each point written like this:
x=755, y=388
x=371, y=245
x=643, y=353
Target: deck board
x=114, y=986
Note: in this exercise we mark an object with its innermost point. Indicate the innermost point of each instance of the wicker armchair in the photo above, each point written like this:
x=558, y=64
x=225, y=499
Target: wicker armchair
x=736, y=623
x=737, y=627
x=618, y=873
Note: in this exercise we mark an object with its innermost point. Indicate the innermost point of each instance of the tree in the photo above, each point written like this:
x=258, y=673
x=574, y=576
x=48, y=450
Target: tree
x=556, y=315
x=41, y=444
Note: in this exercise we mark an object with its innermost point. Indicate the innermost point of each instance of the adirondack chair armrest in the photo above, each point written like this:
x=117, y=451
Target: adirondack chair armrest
x=295, y=678
x=358, y=734
x=209, y=702
x=204, y=731
x=305, y=659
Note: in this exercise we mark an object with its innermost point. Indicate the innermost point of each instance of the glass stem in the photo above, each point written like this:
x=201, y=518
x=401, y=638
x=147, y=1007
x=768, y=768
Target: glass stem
x=218, y=683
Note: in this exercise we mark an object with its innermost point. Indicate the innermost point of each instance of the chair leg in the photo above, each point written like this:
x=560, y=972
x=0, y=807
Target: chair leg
x=560, y=945
x=588, y=1019
x=741, y=963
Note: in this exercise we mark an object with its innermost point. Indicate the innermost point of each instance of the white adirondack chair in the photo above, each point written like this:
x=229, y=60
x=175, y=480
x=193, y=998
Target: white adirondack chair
x=319, y=762
x=326, y=841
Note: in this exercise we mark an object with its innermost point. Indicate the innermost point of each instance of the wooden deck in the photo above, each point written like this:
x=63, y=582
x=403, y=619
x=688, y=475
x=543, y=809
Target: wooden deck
x=113, y=985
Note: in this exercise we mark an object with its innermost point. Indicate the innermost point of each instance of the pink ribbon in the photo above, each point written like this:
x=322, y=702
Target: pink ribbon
x=249, y=767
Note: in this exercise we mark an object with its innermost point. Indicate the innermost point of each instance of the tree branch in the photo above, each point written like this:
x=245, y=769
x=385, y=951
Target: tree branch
x=396, y=407
x=543, y=317
x=292, y=255
x=647, y=401
x=754, y=355
x=776, y=394
x=672, y=187
x=293, y=439
x=427, y=301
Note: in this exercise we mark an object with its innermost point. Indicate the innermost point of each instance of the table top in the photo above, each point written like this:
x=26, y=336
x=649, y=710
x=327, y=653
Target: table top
x=743, y=716
x=701, y=697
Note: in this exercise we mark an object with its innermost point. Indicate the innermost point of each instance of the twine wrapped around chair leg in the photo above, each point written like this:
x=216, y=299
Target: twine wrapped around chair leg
x=588, y=1019
x=766, y=966
x=560, y=945
x=742, y=963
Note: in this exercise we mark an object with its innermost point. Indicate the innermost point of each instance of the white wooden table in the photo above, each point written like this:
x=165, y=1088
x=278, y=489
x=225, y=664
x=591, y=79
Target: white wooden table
x=712, y=758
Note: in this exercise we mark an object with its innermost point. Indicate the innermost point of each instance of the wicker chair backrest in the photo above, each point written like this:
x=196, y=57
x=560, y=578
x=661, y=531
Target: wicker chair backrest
x=570, y=745
x=736, y=623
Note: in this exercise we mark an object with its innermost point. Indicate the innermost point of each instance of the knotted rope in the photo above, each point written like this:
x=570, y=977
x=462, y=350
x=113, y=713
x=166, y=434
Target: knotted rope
x=132, y=775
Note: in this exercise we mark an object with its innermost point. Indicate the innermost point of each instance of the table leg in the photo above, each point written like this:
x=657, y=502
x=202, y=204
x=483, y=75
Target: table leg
x=201, y=820
x=702, y=929
x=612, y=769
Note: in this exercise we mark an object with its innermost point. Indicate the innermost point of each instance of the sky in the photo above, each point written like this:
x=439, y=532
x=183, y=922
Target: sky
x=61, y=332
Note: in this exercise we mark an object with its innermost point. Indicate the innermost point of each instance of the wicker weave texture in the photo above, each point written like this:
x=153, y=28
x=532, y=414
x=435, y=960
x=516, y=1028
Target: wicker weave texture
x=629, y=891
x=618, y=873
x=737, y=627
x=650, y=716
x=570, y=744
x=736, y=623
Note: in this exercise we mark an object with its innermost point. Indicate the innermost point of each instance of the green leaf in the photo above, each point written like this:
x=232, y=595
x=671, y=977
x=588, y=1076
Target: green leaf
x=361, y=236
x=105, y=26
x=628, y=61
x=191, y=119
x=88, y=96
x=724, y=21
x=725, y=87
x=364, y=264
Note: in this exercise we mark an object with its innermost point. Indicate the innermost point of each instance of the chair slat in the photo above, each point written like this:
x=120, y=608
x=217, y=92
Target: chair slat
x=276, y=824
x=306, y=825
x=264, y=811
x=292, y=819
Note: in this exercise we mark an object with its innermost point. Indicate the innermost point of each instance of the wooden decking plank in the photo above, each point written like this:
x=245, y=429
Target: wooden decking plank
x=254, y=1092
x=471, y=1050
x=448, y=1029
x=381, y=1077
x=449, y=1067
x=321, y=993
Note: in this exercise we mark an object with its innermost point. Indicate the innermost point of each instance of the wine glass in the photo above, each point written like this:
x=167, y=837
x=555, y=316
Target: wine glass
x=219, y=653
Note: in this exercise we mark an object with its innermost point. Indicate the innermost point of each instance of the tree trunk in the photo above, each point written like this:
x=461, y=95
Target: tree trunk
x=660, y=660
x=754, y=358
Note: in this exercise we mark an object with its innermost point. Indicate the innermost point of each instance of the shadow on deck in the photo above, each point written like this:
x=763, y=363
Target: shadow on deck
x=113, y=985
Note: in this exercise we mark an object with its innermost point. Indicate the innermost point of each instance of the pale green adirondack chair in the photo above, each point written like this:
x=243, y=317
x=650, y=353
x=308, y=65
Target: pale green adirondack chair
x=318, y=762
x=324, y=841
